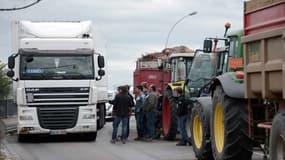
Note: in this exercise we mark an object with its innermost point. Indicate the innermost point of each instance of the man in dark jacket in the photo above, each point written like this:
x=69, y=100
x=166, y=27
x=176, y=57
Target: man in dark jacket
x=133, y=105
x=182, y=117
x=121, y=111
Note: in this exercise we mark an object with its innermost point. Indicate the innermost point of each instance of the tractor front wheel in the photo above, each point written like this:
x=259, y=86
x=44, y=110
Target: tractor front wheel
x=200, y=129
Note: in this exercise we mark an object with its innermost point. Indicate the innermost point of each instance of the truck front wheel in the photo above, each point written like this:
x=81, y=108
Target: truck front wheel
x=277, y=137
x=229, y=128
x=101, y=114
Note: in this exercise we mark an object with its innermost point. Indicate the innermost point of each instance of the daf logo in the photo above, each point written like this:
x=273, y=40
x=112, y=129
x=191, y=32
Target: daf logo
x=84, y=89
x=32, y=89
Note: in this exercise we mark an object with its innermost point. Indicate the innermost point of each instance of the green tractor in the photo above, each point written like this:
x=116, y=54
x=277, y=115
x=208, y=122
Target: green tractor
x=218, y=121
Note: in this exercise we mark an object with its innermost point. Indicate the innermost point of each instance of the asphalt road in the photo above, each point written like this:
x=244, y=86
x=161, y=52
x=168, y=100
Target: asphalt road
x=68, y=149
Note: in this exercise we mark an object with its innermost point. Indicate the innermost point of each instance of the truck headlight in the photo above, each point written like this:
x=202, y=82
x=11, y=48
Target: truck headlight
x=26, y=117
x=88, y=116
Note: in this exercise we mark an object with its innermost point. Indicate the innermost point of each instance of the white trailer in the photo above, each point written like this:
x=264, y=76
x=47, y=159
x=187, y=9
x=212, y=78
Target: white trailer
x=58, y=79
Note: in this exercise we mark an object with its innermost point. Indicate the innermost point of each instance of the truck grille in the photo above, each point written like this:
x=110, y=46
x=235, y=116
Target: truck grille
x=57, y=96
x=57, y=117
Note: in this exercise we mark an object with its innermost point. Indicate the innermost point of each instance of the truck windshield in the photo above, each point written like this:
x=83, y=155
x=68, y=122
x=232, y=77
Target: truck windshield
x=49, y=67
x=202, y=70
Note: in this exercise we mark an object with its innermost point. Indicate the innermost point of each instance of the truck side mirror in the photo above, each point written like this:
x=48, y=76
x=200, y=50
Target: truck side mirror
x=101, y=72
x=10, y=73
x=207, y=47
x=11, y=62
x=101, y=61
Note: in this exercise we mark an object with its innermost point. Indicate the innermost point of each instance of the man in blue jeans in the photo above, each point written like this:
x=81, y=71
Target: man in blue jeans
x=121, y=111
x=182, y=117
x=139, y=113
x=149, y=108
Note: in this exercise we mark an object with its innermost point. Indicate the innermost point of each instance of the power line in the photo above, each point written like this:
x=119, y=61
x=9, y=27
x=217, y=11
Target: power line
x=19, y=8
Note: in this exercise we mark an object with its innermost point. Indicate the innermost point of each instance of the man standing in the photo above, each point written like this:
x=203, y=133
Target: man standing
x=149, y=108
x=133, y=104
x=121, y=110
x=139, y=113
x=182, y=117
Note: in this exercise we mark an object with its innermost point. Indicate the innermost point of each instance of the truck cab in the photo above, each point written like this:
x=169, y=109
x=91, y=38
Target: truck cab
x=58, y=80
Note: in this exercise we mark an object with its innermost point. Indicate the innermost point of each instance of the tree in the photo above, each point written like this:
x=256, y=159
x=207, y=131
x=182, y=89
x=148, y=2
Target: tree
x=5, y=82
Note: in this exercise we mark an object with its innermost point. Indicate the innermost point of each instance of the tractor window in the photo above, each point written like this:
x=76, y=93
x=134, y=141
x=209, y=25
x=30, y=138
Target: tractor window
x=179, y=70
x=180, y=66
x=233, y=52
x=202, y=70
x=222, y=62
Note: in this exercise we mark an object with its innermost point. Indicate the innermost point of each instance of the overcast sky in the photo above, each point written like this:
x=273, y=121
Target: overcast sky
x=130, y=27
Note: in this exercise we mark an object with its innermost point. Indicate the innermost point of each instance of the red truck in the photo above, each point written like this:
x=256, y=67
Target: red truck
x=149, y=70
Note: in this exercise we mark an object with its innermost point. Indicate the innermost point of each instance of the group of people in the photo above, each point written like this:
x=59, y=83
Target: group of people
x=147, y=109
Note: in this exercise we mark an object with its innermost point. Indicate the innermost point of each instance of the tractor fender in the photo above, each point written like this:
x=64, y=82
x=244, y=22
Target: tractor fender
x=172, y=87
x=230, y=87
x=205, y=101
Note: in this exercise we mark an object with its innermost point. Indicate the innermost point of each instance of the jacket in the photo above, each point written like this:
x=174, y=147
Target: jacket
x=182, y=109
x=150, y=102
x=122, y=105
x=139, y=103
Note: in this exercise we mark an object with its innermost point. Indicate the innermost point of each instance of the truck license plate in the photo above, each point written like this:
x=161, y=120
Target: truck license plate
x=57, y=132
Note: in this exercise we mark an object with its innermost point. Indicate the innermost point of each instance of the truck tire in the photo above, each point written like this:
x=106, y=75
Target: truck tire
x=28, y=138
x=200, y=130
x=277, y=135
x=101, y=116
x=22, y=138
x=229, y=128
x=169, y=120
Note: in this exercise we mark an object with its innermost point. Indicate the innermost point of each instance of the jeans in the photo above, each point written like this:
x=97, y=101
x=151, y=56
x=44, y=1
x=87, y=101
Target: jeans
x=117, y=120
x=140, y=124
x=150, y=124
x=182, y=128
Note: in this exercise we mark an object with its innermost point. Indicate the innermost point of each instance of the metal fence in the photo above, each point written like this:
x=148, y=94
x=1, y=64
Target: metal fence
x=7, y=108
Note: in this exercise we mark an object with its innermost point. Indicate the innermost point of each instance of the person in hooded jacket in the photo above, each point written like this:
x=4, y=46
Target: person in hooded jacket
x=121, y=112
x=182, y=117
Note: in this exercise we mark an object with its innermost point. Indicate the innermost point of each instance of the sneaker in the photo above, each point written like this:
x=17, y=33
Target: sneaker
x=113, y=141
x=181, y=144
x=123, y=141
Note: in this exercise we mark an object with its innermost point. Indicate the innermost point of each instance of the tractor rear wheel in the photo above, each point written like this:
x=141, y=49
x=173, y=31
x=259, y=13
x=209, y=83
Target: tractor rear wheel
x=277, y=137
x=169, y=120
x=229, y=128
x=200, y=129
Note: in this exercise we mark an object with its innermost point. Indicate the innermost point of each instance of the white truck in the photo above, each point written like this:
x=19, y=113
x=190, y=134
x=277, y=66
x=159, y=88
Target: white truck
x=58, y=79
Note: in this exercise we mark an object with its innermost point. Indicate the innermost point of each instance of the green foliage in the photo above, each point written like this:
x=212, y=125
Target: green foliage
x=5, y=82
